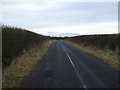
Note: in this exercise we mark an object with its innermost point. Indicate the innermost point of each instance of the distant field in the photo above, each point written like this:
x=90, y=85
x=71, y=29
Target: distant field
x=108, y=41
x=17, y=41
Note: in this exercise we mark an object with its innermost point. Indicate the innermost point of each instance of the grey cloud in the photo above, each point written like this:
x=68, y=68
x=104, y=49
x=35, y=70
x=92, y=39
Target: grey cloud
x=61, y=14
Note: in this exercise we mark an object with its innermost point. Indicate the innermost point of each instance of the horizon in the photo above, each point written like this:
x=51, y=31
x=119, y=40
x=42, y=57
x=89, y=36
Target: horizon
x=59, y=36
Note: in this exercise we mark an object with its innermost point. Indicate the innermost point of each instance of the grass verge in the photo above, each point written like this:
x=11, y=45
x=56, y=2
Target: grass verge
x=17, y=73
x=107, y=56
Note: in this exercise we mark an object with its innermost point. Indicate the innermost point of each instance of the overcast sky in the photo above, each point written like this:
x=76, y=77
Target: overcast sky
x=62, y=18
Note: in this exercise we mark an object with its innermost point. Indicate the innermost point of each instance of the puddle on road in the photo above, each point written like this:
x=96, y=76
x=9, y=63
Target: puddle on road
x=48, y=73
x=48, y=78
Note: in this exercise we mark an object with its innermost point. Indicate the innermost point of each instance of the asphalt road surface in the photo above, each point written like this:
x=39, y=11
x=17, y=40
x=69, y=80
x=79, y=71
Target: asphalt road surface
x=67, y=67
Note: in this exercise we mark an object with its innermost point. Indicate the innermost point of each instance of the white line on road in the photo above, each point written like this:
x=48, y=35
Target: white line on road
x=69, y=59
x=84, y=86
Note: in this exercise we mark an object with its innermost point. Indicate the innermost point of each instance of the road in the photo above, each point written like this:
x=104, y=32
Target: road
x=65, y=66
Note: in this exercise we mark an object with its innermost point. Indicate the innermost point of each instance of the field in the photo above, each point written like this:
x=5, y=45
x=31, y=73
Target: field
x=16, y=41
x=108, y=41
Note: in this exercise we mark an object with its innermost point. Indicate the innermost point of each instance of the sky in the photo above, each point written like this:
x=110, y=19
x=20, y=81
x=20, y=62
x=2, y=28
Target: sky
x=61, y=18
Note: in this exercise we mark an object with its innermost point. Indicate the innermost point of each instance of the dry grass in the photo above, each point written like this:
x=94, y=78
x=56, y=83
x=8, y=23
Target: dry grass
x=107, y=56
x=16, y=74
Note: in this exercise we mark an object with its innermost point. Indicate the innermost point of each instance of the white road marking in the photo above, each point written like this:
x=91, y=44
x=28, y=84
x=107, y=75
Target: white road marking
x=84, y=86
x=69, y=59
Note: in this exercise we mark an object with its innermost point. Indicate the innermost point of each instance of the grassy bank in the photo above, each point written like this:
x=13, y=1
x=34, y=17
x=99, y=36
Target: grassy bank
x=106, y=55
x=16, y=74
x=16, y=40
